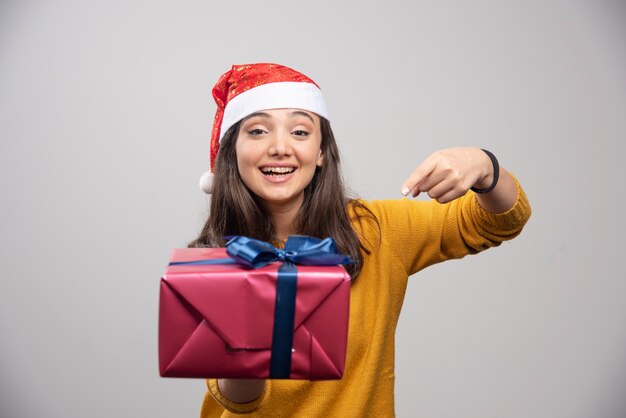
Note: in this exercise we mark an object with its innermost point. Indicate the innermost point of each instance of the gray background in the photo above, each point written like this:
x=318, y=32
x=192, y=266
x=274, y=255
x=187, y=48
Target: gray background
x=105, y=112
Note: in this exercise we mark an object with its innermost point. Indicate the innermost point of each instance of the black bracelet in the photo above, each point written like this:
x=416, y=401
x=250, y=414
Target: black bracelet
x=496, y=174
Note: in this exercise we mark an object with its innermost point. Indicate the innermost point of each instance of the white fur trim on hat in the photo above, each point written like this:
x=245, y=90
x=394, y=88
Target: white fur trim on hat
x=279, y=95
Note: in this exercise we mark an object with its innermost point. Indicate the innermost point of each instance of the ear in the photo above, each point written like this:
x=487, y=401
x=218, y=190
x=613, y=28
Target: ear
x=320, y=159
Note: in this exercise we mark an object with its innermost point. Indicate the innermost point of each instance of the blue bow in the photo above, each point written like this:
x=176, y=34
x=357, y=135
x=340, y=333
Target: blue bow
x=303, y=250
x=299, y=249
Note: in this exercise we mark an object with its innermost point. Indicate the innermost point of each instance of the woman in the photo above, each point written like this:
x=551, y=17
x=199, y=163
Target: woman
x=277, y=174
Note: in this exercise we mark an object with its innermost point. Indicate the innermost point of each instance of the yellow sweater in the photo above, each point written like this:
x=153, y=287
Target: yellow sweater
x=415, y=234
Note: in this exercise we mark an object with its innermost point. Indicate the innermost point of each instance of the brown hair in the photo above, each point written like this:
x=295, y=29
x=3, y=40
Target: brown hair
x=235, y=210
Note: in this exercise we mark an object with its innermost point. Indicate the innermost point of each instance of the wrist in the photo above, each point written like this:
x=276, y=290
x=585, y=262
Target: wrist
x=488, y=182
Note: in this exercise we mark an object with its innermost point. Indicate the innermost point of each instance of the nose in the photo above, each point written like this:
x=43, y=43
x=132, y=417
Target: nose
x=280, y=145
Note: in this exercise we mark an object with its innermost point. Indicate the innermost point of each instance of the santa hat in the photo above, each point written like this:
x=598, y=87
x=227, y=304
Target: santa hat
x=249, y=88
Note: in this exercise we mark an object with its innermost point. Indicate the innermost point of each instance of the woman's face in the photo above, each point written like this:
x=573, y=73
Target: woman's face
x=277, y=153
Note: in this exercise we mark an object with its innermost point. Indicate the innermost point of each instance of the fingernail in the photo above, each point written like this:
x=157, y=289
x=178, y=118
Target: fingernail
x=405, y=191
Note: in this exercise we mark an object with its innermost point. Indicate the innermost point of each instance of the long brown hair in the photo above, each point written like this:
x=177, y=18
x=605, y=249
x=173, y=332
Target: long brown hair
x=235, y=210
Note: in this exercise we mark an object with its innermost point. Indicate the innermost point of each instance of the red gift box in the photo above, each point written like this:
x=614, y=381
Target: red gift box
x=217, y=320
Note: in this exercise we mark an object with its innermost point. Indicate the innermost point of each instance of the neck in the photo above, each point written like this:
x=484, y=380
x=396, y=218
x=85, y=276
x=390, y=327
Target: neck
x=283, y=217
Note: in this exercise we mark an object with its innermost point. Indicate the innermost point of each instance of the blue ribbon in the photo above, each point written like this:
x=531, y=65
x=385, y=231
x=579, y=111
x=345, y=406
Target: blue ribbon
x=284, y=317
x=303, y=250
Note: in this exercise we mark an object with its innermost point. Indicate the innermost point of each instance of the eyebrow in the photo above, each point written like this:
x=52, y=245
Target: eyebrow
x=301, y=113
x=261, y=114
x=267, y=115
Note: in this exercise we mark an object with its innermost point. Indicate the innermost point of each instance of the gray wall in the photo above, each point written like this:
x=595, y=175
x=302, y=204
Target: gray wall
x=105, y=112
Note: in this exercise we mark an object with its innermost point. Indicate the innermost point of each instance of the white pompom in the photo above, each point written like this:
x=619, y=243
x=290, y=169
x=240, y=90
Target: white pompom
x=206, y=183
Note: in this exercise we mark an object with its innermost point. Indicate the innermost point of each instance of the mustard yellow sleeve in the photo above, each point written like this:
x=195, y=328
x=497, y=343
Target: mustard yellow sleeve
x=422, y=233
x=209, y=407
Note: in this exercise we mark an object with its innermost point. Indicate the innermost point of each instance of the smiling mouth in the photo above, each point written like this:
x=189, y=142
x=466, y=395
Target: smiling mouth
x=277, y=171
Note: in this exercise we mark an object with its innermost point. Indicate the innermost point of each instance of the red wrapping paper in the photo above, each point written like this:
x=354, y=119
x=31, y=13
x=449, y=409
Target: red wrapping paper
x=217, y=320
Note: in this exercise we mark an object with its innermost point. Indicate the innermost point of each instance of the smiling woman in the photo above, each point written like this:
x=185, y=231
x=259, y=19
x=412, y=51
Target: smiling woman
x=282, y=126
x=277, y=173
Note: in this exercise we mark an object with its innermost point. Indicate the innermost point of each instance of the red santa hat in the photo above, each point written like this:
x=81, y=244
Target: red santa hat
x=249, y=88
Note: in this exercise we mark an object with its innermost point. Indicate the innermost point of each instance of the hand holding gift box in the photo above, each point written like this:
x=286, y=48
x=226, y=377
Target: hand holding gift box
x=263, y=312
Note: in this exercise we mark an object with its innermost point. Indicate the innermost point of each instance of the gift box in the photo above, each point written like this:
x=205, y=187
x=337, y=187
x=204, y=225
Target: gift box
x=251, y=312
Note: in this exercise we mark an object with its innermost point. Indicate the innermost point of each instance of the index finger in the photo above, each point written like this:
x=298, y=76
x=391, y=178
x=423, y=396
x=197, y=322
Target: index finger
x=420, y=173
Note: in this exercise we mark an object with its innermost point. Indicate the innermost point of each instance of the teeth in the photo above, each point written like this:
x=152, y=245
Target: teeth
x=277, y=170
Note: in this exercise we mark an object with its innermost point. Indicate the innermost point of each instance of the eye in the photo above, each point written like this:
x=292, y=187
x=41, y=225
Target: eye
x=256, y=132
x=300, y=132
